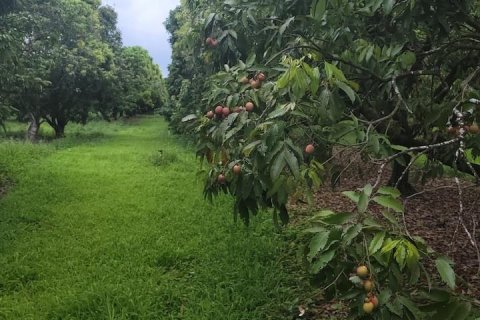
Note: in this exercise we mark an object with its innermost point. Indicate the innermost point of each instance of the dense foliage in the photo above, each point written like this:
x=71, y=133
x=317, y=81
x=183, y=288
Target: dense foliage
x=63, y=60
x=271, y=89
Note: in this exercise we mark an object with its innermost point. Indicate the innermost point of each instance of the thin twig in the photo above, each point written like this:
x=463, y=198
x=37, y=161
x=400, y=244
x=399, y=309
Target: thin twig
x=407, y=168
x=462, y=223
x=399, y=94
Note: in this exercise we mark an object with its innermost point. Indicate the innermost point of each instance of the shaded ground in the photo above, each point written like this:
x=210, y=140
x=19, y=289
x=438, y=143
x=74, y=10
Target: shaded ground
x=432, y=213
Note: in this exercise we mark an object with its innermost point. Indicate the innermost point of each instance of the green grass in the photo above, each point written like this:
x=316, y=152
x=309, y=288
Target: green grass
x=102, y=225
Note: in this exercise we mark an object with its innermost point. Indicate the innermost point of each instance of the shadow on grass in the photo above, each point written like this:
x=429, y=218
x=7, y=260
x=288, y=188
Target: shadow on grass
x=76, y=135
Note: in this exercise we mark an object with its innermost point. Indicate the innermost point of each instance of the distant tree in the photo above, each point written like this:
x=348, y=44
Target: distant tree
x=7, y=54
x=69, y=61
x=143, y=82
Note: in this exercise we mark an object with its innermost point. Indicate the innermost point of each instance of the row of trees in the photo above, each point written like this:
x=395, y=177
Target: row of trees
x=275, y=90
x=64, y=59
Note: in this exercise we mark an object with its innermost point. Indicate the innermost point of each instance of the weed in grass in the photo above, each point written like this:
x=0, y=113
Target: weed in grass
x=163, y=158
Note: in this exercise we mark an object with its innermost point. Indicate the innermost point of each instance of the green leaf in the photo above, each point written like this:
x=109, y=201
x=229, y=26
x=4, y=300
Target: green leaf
x=384, y=296
x=368, y=189
x=390, y=245
x=318, y=8
x=323, y=214
x=348, y=91
x=389, y=202
x=372, y=223
x=363, y=202
x=292, y=163
x=411, y=306
x=390, y=217
x=332, y=71
x=190, y=117
x=413, y=256
x=250, y=60
x=250, y=147
x=277, y=166
x=284, y=26
x=400, y=255
x=436, y=295
x=338, y=218
x=462, y=310
x=209, y=20
x=281, y=110
x=408, y=59
x=322, y=261
x=390, y=191
x=376, y=242
x=318, y=243
x=388, y=6
x=315, y=81
x=446, y=271
x=352, y=195
x=351, y=234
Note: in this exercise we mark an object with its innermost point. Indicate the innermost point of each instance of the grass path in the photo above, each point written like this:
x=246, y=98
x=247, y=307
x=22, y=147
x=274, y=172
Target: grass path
x=93, y=230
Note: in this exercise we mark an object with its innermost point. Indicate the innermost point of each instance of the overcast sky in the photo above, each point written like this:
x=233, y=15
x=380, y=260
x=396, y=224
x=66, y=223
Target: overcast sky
x=141, y=24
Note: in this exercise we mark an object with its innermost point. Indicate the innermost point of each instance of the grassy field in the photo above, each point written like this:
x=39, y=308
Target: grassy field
x=109, y=223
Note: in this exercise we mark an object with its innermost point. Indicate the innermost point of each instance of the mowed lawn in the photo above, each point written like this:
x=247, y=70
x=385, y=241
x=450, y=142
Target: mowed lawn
x=110, y=223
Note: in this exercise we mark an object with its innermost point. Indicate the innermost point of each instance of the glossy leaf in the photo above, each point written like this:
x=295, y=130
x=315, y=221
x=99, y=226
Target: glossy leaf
x=446, y=271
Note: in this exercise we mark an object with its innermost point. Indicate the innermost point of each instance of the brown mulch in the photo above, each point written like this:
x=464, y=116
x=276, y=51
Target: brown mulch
x=432, y=214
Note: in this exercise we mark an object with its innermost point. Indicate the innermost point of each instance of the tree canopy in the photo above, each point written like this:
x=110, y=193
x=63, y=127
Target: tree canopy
x=67, y=61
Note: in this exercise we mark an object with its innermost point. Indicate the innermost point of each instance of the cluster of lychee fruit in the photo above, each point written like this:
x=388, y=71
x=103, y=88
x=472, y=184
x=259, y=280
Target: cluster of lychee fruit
x=455, y=130
x=236, y=169
x=371, y=301
x=256, y=81
x=223, y=111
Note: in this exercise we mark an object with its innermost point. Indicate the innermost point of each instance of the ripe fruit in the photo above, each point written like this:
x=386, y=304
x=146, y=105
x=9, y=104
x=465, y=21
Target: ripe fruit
x=249, y=106
x=474, y=128
x=244, y=80
x=221, y=178
x=368, y=307
x=211, y=42
x=255, y=84
x=368, y=285
x=226, y=111
x=210, y=114
x=219, y=110
x=237, y=169
x=261, y=77
x=362, y=271
x=374, y=300
x=309, y=149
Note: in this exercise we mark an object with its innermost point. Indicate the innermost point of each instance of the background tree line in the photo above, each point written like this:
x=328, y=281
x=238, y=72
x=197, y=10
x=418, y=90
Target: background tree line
x=63, y=60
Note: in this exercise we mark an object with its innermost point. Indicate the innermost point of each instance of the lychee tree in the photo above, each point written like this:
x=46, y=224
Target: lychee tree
x=394, y=68
x=387, y=79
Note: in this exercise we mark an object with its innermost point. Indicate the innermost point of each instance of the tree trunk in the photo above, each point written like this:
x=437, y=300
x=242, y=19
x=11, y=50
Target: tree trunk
x=33, y=128
x=58, y=125
x=59, y=129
